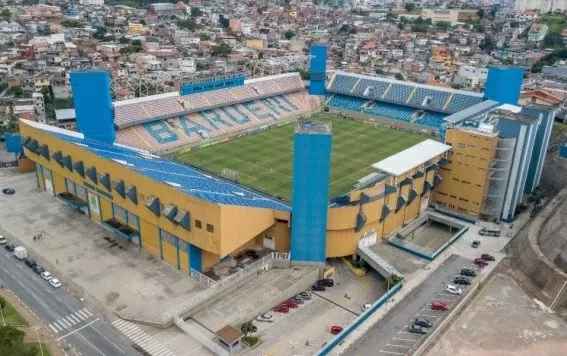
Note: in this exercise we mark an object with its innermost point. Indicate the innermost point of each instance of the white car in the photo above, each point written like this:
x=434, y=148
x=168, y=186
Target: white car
x=268, y=318
x=366, y=306
x=55, y=283
x=46, y=275
x=3, y=240
x=451, y=289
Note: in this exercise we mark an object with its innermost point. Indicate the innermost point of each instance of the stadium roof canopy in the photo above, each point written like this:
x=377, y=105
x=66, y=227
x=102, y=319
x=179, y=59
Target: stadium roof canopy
x=187, y=180
x=471, y=112
x=412, y=157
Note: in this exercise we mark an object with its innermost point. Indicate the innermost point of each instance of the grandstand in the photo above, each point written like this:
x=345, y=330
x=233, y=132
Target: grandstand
x=414, y=103
x=167, y=122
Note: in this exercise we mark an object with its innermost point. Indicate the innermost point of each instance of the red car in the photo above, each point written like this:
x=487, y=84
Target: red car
x=335, y=329
x=480, y=262
x=437, y=305
x=282, y=309
x=290, y=304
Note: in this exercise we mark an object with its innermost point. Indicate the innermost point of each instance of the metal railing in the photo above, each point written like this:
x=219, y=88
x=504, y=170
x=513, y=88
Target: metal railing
x=217, y=287
x=202, y=279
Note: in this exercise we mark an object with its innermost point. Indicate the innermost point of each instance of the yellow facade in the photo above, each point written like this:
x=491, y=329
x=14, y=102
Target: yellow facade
x=255, y=43
x=136, y=28
x=464, y=179
x=216, y=230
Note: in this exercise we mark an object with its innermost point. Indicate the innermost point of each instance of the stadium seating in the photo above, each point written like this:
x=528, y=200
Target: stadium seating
x=343, y=83
x=391, y=111
x=137, y=111
x=437, y=98
x=398, y=93
x=432, y=119
x=167, y=134
x=351, y=103
x=461, y=101
x=378, y=87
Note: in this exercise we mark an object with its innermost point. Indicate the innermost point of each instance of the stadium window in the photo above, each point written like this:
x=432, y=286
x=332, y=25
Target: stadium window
x=198, y=224
x=463, y=199
x=210, y=228
x=453, y=196
x=478, y=185
x=449, y=143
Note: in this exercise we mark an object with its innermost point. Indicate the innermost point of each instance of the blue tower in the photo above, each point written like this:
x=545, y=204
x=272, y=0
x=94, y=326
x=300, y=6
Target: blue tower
x=318, y=70
x=93, y=105
x=311, y=171
x=504, y=84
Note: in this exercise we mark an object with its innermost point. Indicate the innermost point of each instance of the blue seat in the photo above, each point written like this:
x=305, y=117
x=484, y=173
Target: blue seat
x=462, y=101
x=399, y=93
x=343, y=83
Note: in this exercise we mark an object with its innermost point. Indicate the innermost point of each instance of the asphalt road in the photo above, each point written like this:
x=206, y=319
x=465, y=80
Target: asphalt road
x=377, y=339
x=66, y=317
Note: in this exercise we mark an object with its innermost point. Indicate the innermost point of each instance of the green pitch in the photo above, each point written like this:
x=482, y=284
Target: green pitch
x=264, y=160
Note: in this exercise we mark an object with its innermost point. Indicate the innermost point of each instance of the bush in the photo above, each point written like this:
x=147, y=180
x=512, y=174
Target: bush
x=391, y=281
x=251, y=341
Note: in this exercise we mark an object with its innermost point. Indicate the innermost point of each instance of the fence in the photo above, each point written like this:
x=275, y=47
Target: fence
x=329, y=346
x=202, y=279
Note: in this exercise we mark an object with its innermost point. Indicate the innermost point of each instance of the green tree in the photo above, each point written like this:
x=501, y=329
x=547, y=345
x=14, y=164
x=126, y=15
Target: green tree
x=196, y=12
x=553, y=40
x=304, y=74
x=10, y=337
x=17, y=90
x=6, y=14
x=100, y=33
x=409, y=6
x=2, y=303
x=289, y=34
x=204, y=37
x=443, y=25
x=72, y=24
x=248, y=328
x=508, y=61
x=399, y=76
x=221, y=50
x=487, y=44
x=124, y=40
x=480, y=13
x=190, y=25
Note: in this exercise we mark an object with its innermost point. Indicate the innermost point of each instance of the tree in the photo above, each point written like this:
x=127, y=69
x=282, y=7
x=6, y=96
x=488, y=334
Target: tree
x=553, y=40
x=196, y=12
x=2, y=303
x=487, y=44
x=72, y=24
x=508, y=61
x=399, y=76
x=10, y=337
x=17, y=90
x=304, y=74
x=248, y=328
x=5, y=14
x=124, y=40
x=221, y=50
x=409, y=6
x=190, y=25
x=480, y=13
x=289, y=34
x=204, y=37
x=443, y=25
x=100, y=33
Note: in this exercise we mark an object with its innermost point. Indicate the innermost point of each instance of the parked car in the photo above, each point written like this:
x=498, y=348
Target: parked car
x=335, y=329
x=326, y=282
x=29, y=262
x=55, y=283
x=451, y=289
x=3, y=240
x=468, y=272
x=267, y=318
x=480, y=262
x=38, y=269
x=8, y=191
x=437, y=305
x=462, y=280
x=318, y=288
x=10, y=247
x=304, y=295
x=475, y=243
x=297, y=300
x=423, y=322
x=487, y=257
x=290, y=304
x=416, y=329
x=366, y=306
x=282, y=309
x=46, y=275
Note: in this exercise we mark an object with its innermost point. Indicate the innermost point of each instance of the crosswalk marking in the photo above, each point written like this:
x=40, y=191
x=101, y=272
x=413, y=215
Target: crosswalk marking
x=142, y=339
x=69, y=321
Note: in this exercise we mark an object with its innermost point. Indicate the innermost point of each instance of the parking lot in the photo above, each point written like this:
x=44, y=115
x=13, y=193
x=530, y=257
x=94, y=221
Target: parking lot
x=501, y=321
x=390, y=336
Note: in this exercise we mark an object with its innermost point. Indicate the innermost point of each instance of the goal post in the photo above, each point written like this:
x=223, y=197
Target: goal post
x=230, y=174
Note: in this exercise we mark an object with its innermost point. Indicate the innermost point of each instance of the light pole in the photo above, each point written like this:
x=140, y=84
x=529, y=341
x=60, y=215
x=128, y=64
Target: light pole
x=38, y=340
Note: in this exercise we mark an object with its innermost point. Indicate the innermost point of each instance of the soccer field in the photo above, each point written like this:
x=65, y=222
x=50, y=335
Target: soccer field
x=264, y=160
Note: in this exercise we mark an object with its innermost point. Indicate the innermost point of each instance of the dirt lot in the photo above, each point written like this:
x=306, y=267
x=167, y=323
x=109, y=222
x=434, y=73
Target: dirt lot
x=503, y=321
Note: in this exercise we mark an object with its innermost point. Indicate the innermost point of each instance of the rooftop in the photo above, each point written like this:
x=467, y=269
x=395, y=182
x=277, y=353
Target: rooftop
x=408, y=159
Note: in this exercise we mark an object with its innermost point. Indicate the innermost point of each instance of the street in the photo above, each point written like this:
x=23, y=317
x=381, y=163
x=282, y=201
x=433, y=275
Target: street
x=65, y=316
x=389, y=336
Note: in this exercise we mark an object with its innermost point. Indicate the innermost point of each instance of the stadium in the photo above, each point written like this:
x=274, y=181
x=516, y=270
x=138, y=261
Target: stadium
x=195, y=177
